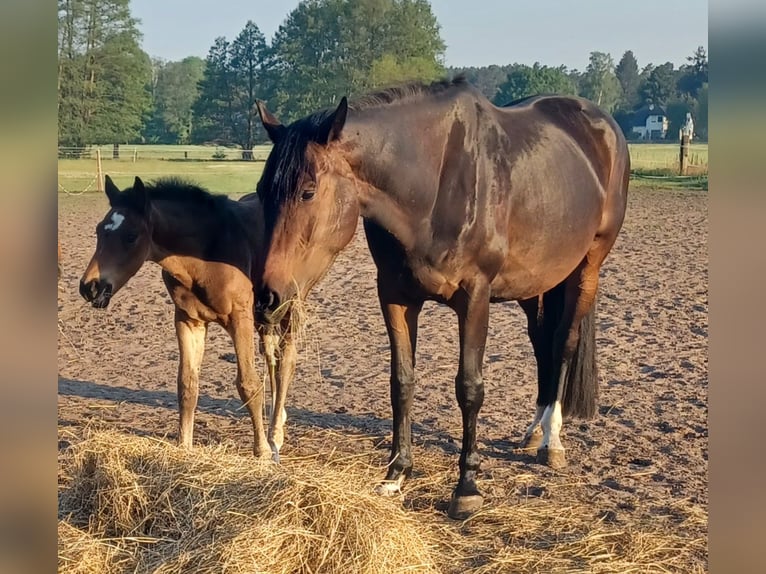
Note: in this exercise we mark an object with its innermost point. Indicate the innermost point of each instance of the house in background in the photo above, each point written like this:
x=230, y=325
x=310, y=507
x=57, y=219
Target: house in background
x=650, y=123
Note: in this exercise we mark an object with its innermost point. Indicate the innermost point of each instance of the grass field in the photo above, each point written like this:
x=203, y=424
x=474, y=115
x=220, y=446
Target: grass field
x=653, y=165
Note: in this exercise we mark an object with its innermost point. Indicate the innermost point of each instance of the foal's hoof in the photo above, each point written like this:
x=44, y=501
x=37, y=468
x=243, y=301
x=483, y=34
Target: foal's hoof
x=531, y=442
x=462, y=507
x=553, y=457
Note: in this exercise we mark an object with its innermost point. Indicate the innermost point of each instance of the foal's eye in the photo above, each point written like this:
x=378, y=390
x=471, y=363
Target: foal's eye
x=308, y=193
x=130, y=238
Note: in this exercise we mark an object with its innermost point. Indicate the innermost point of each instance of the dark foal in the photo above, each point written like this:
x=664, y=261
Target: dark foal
x=464, y=203
x=211, y=252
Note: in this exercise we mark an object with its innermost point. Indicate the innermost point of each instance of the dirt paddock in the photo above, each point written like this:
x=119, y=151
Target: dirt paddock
x=642, y=461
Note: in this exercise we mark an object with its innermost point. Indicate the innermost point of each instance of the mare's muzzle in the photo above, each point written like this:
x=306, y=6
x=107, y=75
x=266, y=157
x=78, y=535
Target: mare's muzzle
x=269, y=308
x=96, y=292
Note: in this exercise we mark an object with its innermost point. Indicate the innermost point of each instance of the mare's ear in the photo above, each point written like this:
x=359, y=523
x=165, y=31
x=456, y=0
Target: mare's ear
x=112, y=191
x=272, y=125
x=333, y=125
x=141, y=195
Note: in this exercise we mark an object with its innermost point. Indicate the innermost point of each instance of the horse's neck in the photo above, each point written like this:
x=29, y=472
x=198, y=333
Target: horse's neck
x=389, y=191
x=176, y=231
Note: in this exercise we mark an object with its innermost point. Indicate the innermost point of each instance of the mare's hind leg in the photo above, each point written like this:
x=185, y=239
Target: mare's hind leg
x=402, y=326
x=573, y=377
x=191, y=345
x=540, y=332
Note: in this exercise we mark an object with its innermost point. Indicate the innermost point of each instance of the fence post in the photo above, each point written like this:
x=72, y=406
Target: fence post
x=683, y=157
x=99, y=173
x=135, y=154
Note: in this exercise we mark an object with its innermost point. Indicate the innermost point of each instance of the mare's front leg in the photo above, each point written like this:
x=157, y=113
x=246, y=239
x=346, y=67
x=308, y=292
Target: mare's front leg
x=191, y=345
x=402, y=325
x=242, y=331
x=472, y=306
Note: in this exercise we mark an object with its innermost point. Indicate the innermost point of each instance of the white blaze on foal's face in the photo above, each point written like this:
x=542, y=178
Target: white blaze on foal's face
x=116, y=221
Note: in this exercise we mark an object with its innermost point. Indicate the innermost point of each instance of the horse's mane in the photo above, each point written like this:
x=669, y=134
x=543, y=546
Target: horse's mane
x=288, y=164
x=178, y=190
x=406, y=92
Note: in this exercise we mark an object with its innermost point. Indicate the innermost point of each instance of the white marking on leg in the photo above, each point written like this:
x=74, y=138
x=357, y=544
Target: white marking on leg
x=117, y=219
x=534, y=428
x=551, y=423
x=275, y=453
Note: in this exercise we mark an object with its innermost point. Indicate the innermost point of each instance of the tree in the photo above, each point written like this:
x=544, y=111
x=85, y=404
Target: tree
x=326, y=49
x=660, y=87
x=235, y=73
x=487, y=79
x=627, y=74
x=175, y=90
x=532, y=80
x=695, y=74
x=599, y=83
x=103, y=75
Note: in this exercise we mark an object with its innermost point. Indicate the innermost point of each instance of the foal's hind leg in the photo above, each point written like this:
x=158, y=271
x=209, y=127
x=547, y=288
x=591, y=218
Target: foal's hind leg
x=575, y=384
x=191, y=345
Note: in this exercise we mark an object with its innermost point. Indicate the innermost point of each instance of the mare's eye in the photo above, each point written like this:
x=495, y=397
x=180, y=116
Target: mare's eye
x=308, y=192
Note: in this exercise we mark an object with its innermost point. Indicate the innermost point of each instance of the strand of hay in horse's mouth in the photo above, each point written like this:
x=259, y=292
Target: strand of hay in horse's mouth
x=136, y=504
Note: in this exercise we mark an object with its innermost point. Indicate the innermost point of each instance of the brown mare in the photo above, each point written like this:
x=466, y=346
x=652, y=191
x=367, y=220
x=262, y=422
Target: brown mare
x=463, y=203
x=211, y=250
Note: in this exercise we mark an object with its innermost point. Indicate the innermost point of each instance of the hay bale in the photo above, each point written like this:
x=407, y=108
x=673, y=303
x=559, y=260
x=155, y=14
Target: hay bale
x=165, y=509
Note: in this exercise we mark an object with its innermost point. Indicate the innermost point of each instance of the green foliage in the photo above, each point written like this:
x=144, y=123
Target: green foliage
x=599, y=82
x=628, y=76
x=660, y=85
x=487, y=79
x=326, y=49
x=695, y=74
x=532, y=80
x=235, y=73
x=175, y=92
x=103, y=75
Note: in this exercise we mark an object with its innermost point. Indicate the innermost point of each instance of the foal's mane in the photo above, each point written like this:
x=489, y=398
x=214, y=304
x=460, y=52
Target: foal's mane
x=177, y=190
x=281, y=177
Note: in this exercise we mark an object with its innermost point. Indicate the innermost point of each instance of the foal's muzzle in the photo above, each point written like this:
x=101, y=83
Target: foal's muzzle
x=96, y=292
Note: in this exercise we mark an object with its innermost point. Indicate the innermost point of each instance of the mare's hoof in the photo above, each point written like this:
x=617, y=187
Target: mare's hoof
x=390, y=487
x=275, y=455
x=553, y=457
x=462, y=507
x=531, y=443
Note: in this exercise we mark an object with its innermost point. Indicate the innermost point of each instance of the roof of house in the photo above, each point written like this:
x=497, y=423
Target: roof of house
x=640, y=115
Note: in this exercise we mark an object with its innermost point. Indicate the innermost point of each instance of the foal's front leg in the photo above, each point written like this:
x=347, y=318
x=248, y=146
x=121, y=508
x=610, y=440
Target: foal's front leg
x=250, y=389
x=402, y=326
x=191, y=346
x=472, y=306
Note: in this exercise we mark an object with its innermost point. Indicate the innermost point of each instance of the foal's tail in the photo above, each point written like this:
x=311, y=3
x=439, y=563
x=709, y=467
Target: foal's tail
x=580, y=392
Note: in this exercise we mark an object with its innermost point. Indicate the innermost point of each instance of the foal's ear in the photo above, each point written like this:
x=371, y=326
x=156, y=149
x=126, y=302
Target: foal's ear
x=333, y=125
x=112, y=191
x=272, y=125
x=142, y=197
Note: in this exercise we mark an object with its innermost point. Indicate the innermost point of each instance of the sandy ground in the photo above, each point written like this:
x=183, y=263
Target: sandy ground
x=646, y=451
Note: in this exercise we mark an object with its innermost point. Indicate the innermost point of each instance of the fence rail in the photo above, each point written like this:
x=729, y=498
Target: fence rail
x=170, y=153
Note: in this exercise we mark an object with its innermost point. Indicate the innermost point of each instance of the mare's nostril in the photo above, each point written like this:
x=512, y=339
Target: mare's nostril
x=268, y=300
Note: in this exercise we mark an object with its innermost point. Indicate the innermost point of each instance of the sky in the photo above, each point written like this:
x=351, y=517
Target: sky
x=477, y=32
